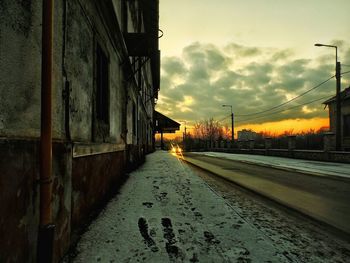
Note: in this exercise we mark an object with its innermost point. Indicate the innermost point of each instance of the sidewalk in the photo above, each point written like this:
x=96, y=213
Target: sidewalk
x=165, y=213
x=340, y=170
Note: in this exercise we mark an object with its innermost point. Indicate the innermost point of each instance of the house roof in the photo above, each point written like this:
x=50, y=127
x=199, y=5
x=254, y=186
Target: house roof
x=344, y=95
x=165, y=124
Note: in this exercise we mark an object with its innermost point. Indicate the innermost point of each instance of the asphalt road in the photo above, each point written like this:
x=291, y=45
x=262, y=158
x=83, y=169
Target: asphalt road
x=325, y=199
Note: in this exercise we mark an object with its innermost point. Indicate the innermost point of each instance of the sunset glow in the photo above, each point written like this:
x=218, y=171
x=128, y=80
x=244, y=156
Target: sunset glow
x=294, y=126
x=291, y=125
x=210, y=58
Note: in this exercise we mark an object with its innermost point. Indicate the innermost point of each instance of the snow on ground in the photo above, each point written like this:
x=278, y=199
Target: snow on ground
x=165, y=213
x=306, y=166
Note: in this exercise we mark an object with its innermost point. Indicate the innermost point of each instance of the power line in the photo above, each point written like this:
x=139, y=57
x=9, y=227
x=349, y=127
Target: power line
x=284, y=103
x=307, y=103
x=224, y=118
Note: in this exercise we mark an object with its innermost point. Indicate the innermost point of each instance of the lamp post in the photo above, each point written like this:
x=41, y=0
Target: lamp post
x=338, y=106
x=232, y=122
x=184, y=134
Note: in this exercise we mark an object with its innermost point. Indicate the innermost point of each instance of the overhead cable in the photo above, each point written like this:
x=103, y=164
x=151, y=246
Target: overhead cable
x=290, y=108
x=224, y=118
x=288, y=101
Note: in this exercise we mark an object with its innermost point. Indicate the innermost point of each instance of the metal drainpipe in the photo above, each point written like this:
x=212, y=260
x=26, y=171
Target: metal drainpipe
x=46, y=228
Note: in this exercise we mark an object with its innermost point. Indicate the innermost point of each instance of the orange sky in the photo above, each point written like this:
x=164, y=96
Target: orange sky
x=295, y=125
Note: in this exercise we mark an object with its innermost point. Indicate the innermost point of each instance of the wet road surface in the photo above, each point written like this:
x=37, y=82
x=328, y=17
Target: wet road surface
x=325, y=199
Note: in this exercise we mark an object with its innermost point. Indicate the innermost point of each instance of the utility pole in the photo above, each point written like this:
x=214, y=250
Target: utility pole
x=338, y=136
x=232, y=128
x=232, y=122
x=184, y=133
x=338, y=109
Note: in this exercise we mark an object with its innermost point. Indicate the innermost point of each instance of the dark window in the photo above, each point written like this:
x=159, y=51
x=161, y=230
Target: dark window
x=346, y=125
x=100, y=126
x=134, y=119
x=124, y=16
x=102, y=101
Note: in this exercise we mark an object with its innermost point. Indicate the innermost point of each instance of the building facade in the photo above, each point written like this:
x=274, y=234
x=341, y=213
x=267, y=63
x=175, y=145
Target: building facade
x=106, y=74
x=345, y=117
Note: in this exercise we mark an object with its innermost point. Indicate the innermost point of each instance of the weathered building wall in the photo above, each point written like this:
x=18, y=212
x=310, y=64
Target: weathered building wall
x=86, y=168
x=19, y=198
x=80, y=75
x=62, y=196
x=96, y=178
x=345, y=110
x=84, y=31
x=19, y=201
x=20, y=89
x=20, y=77
x=20, y=38
x=118, y=101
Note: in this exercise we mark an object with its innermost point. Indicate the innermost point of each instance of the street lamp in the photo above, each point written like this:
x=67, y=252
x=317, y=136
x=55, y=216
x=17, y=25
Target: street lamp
x=232, y=127
x=184, y=134
x=338, y=107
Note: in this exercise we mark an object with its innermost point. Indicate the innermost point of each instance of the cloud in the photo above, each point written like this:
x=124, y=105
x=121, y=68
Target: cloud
x=173, y=66
x=252, y=79
x=242, y=51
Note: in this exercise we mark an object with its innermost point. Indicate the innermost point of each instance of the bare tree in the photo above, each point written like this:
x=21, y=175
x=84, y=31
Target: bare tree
x=208, y=130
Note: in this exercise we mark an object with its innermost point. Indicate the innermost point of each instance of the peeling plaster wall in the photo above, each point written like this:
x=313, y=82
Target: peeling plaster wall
x=20, y=48
x=84, y=30
x=79, y=66
x=131, y=101
x=117, y=98
x=20, y=75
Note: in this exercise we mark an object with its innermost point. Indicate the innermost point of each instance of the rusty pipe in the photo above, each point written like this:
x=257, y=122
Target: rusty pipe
x=46, y=112
x=46, y=228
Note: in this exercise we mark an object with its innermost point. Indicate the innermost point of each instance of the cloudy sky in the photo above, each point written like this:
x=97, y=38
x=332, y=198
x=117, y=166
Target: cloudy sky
x=253, y=55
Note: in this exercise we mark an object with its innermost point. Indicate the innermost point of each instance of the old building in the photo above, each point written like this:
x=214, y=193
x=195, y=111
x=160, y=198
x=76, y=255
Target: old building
x=345, y=117
x=106, y=74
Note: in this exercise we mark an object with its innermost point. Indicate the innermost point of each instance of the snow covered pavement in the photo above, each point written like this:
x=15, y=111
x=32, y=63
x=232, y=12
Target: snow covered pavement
x=165, y=213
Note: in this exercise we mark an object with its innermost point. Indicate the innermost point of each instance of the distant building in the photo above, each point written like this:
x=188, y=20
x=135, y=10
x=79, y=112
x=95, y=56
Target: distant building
x=246, y=135
x=106, y=78
x=345, y=116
